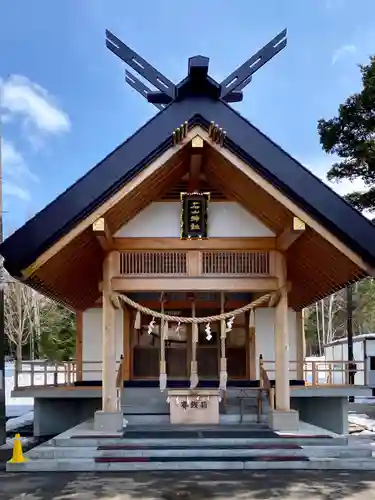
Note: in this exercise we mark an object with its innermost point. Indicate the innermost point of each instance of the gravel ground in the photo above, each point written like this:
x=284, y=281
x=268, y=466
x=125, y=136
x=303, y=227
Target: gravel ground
x=189, y=486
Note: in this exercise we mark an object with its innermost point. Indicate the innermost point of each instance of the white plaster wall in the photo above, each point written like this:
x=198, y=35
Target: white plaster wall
x=225, y=219
x=370, y=347
x=329, y=353
x=92, y=342
x=265, y=340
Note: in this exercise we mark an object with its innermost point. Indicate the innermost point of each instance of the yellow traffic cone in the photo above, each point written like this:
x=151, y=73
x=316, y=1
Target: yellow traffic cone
x=17, y=457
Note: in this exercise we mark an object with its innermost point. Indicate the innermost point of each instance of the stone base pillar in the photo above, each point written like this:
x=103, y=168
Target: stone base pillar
x=281, y=420
x=110, y=422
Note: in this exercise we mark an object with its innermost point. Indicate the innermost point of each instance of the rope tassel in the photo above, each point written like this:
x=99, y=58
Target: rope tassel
x=138, y=321
x=223, y=336
x=194, y=380
x=163, y=376
x=163, y=364
x=165, y=330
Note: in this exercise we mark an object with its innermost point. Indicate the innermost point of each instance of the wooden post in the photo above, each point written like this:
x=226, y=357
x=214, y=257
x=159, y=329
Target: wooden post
x=300, y=344
x=251, y=369
x=109, y=392
x=79, y=342
x=127, y=331
x=282, y=339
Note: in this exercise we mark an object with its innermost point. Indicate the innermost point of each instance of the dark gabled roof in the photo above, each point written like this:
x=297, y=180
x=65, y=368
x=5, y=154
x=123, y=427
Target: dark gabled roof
x=24, y=246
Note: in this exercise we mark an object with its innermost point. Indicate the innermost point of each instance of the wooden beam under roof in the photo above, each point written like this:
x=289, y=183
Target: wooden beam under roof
x=263, y=243
x=290, y=234
x=103, y=234
x=136, y=284
x=196, y=160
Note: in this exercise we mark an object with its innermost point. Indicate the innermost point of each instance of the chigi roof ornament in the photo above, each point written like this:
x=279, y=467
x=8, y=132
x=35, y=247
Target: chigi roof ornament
x=197, y=83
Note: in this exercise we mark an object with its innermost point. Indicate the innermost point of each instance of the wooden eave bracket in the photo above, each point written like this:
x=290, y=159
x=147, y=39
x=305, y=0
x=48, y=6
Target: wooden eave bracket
x=103, y=234
x=290, y=235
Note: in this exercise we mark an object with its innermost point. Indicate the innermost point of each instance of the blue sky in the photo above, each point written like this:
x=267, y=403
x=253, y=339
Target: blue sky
x=65, y=104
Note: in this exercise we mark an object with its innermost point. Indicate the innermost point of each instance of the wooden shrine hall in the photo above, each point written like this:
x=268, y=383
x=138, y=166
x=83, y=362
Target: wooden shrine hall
x=190, y=252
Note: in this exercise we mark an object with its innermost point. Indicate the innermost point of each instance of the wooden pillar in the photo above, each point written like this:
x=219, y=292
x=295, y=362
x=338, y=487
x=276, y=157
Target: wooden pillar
x=250, y=320
x=282, y=339
x=127, y=331
x=300, y=344
x=109, y=368
x=79, y=335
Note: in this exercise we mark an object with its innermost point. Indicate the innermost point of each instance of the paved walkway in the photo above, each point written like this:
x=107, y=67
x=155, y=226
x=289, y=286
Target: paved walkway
x=312, y=485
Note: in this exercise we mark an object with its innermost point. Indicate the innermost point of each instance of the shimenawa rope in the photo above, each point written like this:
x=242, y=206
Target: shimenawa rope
x=207, y=319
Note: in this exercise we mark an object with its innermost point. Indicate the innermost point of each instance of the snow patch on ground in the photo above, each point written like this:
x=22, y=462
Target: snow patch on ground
x=13, y=424
x=360, y=423
x=15, y=406
x=27, y=442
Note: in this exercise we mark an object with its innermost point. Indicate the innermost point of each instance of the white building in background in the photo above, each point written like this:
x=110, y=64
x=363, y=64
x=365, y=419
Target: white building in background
x=364, y=355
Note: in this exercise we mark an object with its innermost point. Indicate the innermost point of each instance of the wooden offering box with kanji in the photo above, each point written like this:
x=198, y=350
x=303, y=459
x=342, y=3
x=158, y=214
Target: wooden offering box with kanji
x=194, y=406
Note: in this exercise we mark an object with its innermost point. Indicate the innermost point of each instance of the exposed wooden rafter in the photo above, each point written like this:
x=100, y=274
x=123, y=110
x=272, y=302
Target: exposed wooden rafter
x=290, y=234
x=103, y=234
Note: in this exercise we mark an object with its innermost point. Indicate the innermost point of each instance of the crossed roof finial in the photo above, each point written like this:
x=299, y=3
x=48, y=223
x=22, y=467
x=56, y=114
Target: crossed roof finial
x=197, y=81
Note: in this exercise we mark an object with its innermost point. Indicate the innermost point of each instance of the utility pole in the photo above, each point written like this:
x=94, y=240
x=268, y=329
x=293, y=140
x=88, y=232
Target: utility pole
x=2, y=284
x=349, y=329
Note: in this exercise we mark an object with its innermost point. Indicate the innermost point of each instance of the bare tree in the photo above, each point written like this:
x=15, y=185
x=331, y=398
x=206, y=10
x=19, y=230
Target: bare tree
x=18, y=315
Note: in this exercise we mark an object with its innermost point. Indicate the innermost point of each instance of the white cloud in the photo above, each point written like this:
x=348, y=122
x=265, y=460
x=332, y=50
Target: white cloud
x=320, y=167
x=15, y=191
x=342, y=52
x=26, y=104
x=20, y=97
x=16, y=173
x=14, y=163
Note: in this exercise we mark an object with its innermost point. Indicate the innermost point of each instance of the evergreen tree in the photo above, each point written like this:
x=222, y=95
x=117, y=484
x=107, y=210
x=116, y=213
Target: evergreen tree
x=351, y=136
x=57, y=333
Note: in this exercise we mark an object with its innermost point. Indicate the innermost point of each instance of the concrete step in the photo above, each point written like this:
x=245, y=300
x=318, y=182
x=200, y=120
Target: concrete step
x=156, y=419
x=142, y=419
x=235, y=418
x=90, y=465
x=196, y=442
x=199, y=453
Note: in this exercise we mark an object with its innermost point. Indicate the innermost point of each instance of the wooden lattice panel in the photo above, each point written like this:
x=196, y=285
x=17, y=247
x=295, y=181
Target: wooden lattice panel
x=153, y=263
x=236, y=263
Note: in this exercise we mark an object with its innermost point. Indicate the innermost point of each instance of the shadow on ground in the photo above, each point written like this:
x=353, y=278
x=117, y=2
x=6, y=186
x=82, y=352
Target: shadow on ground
x=189, y=485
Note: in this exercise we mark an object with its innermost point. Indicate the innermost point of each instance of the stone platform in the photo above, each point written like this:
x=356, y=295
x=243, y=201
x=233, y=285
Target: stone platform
x=216, y=447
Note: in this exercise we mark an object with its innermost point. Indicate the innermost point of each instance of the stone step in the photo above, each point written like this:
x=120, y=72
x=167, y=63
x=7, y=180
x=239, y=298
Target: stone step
x=90, y=465
x=199, y=452
x=235, y=418
x=232, y=418
x=196, y=442
x=139, y=419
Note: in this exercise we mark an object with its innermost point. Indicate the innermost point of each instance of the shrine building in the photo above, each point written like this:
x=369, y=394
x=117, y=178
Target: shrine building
x=188, y=255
